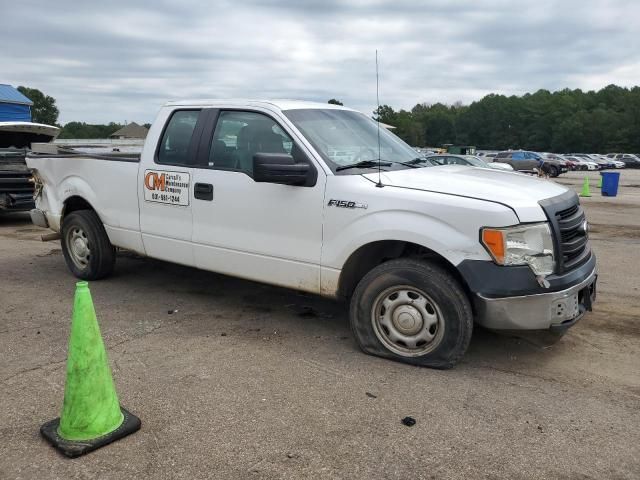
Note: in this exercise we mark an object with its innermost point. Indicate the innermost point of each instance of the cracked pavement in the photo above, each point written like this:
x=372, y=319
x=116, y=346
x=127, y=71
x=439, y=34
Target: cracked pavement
x=251, y=381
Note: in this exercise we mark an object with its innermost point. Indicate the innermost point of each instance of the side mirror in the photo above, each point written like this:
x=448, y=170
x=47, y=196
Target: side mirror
x=279, y=168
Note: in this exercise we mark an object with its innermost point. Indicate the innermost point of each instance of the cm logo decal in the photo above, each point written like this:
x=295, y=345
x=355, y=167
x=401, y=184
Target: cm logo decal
x=155, y=181
x=167, y=187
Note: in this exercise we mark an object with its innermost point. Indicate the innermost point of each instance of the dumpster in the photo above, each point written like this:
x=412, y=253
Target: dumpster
x=460, y=149
x=610, y=182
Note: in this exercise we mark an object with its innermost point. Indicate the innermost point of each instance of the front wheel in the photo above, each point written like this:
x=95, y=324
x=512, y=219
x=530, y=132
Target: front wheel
x=412, y=311
x=86, y=246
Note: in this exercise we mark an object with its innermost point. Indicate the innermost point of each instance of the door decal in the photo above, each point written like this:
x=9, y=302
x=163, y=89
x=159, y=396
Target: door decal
x=167, y=187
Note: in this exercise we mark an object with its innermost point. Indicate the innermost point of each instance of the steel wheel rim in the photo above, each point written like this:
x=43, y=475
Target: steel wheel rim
x=407, y=321
x=78, y=247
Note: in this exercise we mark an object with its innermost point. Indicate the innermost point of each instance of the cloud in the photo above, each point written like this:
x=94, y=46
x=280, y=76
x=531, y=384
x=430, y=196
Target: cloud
x=121, y=60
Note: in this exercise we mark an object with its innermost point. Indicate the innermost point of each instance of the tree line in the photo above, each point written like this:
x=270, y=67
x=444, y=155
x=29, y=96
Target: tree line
x=603, y=121
x=90, y=130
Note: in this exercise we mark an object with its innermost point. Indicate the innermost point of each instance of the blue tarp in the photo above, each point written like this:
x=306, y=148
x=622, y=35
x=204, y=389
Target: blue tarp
x=13, y=112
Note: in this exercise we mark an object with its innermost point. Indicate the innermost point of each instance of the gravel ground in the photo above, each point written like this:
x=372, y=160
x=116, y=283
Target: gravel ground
x=251, y=381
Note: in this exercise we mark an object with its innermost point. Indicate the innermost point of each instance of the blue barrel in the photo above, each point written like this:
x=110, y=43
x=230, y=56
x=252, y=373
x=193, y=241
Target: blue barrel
x=610, y=182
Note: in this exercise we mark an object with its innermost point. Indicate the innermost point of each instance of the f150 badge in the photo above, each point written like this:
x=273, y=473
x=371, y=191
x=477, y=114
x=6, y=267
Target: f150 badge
x=166, y=187
x=346, y=204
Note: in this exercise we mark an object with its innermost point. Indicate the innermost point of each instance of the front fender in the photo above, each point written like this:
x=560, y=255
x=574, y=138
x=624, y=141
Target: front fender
x=452, y=243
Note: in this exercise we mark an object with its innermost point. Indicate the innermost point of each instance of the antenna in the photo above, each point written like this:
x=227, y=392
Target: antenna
x=379, y=184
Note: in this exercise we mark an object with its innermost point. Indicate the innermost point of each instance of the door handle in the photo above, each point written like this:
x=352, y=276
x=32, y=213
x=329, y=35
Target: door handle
x=203, y=191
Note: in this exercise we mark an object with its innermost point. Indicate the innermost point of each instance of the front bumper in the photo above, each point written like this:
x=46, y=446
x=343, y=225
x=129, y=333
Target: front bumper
x=16, y=202
x=543, y=311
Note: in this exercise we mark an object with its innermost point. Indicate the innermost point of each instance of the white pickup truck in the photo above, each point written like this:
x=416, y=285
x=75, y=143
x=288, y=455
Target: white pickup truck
x=316, y=197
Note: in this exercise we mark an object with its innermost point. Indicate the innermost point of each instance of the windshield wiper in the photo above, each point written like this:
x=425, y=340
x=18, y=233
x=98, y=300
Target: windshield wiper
x=418, y=160
x=364, y=164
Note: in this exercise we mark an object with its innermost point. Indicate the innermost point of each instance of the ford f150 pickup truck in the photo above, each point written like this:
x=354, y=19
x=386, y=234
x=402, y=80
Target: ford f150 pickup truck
x=316, y=197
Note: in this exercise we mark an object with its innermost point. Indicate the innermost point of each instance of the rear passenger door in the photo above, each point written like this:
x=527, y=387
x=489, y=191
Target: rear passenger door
x=165, y=182
x=260, y=231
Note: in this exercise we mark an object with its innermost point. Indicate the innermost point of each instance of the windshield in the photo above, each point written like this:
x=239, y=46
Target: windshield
x=475, y=161
x=344, y=137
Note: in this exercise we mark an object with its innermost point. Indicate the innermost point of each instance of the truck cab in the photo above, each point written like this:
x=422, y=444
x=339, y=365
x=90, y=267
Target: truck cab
x=319, y=198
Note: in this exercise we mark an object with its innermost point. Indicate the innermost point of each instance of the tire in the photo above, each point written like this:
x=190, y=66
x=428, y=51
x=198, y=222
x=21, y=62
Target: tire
x=86, y=246
x=553, y=171
x=430, y=310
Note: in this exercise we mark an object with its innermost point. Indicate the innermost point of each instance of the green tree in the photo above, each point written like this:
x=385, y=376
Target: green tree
x=86, y=130
x=333, y=101
x=385, y=114
x=563, y=121
x=44, y=109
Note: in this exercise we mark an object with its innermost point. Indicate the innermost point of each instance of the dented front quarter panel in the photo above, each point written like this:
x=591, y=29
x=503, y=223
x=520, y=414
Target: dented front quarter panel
x=447, y=224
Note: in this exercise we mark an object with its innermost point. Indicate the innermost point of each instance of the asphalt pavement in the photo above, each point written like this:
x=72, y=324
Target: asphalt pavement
x=243, y=380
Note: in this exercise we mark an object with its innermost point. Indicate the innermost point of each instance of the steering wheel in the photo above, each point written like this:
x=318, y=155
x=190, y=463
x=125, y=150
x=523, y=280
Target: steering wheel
x=360, y=154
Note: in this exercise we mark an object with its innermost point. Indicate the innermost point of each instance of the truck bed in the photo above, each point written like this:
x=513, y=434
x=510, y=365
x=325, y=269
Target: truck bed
x=108, y=182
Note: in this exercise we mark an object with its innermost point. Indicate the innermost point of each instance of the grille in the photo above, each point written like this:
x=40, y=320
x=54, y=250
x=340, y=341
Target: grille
x=573, y=237
x=16, y=190
x=567, y=221
x=15, y=182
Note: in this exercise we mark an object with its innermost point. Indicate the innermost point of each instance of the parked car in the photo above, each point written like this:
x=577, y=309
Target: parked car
x=611, y=161
x=296, y=194
x=629, y=159
x=582, y=163
x=608, y=163
x=602, y=164
x=487, y=156
x=553, y=164
x=470, y=160
x=520, y=160
x=571, y=164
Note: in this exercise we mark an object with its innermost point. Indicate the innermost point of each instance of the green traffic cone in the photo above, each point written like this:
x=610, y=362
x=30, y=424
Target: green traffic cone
x=91, y=413
x=585, y=188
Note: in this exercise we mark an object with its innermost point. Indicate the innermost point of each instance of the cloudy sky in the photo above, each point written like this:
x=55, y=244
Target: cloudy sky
x=120, y=60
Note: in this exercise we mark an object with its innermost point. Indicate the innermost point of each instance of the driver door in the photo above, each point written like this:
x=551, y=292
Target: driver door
x=260, y=231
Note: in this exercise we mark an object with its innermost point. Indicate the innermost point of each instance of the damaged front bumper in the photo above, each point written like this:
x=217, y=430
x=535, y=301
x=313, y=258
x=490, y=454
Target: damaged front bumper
x=554, y=311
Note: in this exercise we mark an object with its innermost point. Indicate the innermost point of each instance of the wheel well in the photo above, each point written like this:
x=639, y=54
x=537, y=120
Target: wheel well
x=72, y=204
x=373, y=254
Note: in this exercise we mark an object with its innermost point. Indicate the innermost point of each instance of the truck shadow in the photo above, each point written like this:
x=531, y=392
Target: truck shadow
x=246, y=307
x=11, y=219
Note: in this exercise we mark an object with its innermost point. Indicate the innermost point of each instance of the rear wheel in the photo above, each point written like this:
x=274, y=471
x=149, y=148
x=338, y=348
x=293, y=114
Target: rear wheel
x=86, y=246
x=553, y=171
x=412, y=311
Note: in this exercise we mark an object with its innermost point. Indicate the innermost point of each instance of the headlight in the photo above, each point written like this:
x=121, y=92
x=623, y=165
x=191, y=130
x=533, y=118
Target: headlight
x=522, y=245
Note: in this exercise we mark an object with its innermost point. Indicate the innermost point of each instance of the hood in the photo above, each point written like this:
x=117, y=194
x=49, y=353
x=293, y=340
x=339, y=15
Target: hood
x=23, y=134
x=518, y=191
